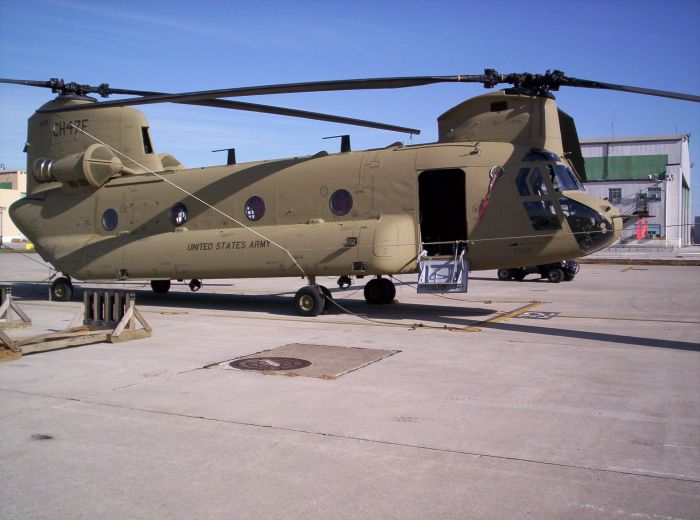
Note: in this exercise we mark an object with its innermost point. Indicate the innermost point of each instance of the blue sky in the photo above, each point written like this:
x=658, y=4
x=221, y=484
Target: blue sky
x=182, y=46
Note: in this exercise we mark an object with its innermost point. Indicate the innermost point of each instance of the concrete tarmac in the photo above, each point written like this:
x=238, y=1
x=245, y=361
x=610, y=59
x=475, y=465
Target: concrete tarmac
x=516, y=400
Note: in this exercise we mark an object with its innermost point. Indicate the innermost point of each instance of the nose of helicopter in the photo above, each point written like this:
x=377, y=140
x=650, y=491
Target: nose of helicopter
x=594, y=222
x=614, y=217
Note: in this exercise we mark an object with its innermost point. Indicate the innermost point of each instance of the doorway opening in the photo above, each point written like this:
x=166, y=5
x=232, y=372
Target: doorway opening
x=442, y=210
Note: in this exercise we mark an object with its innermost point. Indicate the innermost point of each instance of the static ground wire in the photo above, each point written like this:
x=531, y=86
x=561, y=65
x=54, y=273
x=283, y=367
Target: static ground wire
x=161, y=177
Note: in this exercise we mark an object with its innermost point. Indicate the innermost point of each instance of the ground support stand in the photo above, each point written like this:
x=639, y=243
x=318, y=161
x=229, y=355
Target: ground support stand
x=107, y=316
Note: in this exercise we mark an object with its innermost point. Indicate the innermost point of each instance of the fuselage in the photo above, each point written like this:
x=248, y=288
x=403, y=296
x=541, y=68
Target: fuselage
x=102, y=204
x=351, y=213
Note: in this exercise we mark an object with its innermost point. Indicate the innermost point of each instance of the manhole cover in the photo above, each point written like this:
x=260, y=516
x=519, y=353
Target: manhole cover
x=270, y=363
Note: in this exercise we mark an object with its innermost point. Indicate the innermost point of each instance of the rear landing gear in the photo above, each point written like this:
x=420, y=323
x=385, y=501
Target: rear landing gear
x=309, y=301
x=380, y=291
x=62, y=289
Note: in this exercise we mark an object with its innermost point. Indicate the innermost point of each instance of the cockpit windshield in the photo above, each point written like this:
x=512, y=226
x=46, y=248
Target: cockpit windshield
x=563, y=179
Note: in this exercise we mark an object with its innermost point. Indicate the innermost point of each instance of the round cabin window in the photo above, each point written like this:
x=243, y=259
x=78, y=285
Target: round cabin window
x=341, y=202
x=178, y=214
x=110, y=219
x=254, y=208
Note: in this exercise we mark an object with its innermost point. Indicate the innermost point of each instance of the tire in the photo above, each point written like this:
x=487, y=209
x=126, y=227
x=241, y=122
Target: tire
x=326, y=292
x=555, y=275
x=569, y=277
x=160, y=286
x=61, y=289
x=504, y=274
x=309, y=301
x=389, y=290
x=374, y=291
x=519, y=274
x=380, y=291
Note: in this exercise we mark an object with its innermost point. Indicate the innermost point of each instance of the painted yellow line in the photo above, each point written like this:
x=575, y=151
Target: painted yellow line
x=508, y=315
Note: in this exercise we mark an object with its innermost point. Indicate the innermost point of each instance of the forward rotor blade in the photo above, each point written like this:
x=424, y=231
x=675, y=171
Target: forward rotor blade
x=28, y=82
x=576, y=82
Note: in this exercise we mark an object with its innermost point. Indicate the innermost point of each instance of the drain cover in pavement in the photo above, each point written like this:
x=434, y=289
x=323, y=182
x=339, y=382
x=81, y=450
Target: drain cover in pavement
x=270, y=363
x=301, y=359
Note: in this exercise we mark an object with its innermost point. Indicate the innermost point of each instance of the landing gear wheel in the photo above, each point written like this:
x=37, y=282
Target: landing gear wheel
x=160, y=286
x=344, y=281
x=61, y=289
x=389, y=290
x=555, y=275
x=504, y=274
x=379, y=291
x=309, y=301
x=195, y=285
x=519, y=274
x=326, y=292
x=569, y=277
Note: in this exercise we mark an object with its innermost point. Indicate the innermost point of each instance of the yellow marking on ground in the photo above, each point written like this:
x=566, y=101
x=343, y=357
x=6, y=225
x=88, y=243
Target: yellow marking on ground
x=512, y=314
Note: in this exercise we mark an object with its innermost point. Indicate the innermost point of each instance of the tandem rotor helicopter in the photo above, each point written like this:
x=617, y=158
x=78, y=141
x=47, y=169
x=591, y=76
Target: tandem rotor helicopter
x=500, y=188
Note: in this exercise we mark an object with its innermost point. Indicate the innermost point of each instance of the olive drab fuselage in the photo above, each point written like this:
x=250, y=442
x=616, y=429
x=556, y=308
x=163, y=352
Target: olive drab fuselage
x=508, y=196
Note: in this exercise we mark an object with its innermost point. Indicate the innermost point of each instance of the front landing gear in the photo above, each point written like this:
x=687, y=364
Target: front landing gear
x=62, y=289
x=380, y=291
x=160, y=286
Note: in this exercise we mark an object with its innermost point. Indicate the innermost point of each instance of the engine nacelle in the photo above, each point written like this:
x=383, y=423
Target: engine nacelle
x=92, y=167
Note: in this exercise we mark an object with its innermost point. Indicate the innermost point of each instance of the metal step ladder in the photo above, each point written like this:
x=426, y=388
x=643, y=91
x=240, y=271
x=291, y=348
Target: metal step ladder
x=443, y=274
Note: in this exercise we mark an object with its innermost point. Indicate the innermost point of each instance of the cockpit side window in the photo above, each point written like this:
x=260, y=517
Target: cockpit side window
x=537, y=183
x=540, y=155
x=553, y=177
x=542, y=214
x=563, y=177
x=533, y=186
x=521, y=182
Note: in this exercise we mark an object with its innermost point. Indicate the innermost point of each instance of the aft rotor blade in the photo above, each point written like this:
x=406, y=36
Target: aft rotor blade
x=265, y=109
x=288, y=88
x=576, y=82
x=268, y=109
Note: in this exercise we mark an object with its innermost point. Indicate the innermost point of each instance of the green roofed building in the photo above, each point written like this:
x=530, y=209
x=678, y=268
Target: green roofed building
x=644, y=176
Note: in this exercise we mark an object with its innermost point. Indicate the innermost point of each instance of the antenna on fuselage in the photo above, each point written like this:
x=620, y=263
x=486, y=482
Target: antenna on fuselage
x=344, y=142
x=230, y=156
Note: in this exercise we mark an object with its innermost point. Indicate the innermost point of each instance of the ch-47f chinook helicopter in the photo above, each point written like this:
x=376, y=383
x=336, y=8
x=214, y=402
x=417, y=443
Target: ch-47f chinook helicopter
x=498, y=189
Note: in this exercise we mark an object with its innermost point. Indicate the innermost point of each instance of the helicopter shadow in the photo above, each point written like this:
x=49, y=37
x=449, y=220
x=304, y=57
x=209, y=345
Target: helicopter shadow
x=281, y=304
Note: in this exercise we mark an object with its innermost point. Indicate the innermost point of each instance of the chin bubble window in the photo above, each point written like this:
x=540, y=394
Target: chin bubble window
x=254, y=208
x=341, y=202
x=110, y=219
x=178, y=214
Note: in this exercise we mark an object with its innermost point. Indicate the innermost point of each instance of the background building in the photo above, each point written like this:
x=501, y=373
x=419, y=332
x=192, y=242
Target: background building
x=13, y=186
x=645, y=176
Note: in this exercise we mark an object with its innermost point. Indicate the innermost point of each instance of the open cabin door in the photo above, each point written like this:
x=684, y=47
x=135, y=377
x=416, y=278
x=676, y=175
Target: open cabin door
x=442, y=209
x=443, y=228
